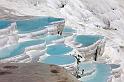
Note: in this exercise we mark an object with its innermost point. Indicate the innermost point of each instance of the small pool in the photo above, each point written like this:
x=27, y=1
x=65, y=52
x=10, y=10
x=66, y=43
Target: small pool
x=59, y=60
x=68, y=29
x=87, y=40
x=114, y=66
x=17, y=49
x=101, y=75
x=32, y=24
x=58, y=49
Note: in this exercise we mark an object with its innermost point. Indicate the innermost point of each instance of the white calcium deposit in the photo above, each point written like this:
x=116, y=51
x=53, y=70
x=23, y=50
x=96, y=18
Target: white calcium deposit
x=102, y=17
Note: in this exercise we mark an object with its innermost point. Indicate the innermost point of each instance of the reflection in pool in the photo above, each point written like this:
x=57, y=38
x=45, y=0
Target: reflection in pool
x=87, y=40
x=59, y=60
x=58, y=49
x=17, y=49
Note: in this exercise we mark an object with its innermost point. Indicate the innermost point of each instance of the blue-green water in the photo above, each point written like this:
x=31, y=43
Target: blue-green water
x=87, y=40
x=52, y=37
x=59, y=60
x=17, y=49
x=58, y=49
x=35, y=24
x=86, y=66
x=4, y=24
x=114, y=66
x=31, y=25
x=68, y=29
x=101, y=74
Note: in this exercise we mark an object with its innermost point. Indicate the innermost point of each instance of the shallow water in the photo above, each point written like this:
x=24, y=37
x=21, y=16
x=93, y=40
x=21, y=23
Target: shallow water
x=30, y=25
x=114, y=66
x=4, y=24
x=17, y=49
x=52, y=37
x=58, y=49
x=101, y=74
x=59, y=60
x=35, y=24
x=87, y=40
x=68, y=29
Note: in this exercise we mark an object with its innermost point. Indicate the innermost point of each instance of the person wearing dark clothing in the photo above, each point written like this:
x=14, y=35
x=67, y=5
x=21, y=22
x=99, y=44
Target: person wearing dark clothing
x=60, y=33
x=82, y=71
x=79, y=56
x=78, y=59
x=95, y=57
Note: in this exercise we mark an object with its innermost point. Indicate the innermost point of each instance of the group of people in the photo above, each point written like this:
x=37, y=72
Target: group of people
x=77, y=73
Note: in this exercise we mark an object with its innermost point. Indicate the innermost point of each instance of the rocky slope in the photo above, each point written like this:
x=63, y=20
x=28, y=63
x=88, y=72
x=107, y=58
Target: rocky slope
x=34, y=73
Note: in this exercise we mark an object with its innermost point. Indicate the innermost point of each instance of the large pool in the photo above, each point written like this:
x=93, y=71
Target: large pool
x=32, y=24
x=17, y=49
x=58, y=49
x=59, y=60
x=101, y=75
x=87, y=40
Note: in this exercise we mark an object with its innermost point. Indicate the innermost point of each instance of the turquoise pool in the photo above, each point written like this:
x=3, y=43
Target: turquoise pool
x=17, y=49
x=35, y=24
x=68, y=29
x=101, y=74
x=87, y=40
x=87, y=66
x=114, y=66
x=58, y=49
x=4, y=24
x=49, y=38
x=59, y=60
x=31, y=25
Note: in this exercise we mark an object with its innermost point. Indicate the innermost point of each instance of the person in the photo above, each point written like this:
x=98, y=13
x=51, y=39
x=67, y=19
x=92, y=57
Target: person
x=62, y=6
x=95, y=58
x=82, y=72
x=78, y=59
x=79, y=56
x=77, y=73
x=60, y=33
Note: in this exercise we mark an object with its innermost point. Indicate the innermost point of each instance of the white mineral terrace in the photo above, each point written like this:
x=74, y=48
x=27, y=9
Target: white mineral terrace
x=87, y=17
x=37, y=53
